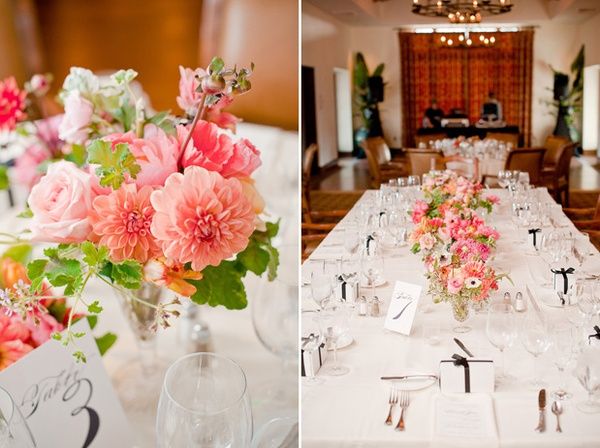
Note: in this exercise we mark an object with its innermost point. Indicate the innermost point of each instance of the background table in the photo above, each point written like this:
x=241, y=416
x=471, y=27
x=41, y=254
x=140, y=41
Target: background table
x=232, y=331
x=349, y=411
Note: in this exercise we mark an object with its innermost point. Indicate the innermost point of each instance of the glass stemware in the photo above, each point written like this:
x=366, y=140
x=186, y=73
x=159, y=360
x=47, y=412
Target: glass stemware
x=587, y=292
x=14, y=432
x=561, y=349
x=204, y=403
x=334, y=324
x=535, y=339
x=312, y=339
x=351, y=239
x=372, y=270
x=500, y=330
x=587, y=372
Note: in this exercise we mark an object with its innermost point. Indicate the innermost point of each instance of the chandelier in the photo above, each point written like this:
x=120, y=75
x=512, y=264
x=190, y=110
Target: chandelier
x=466, y=39
x=458, y=11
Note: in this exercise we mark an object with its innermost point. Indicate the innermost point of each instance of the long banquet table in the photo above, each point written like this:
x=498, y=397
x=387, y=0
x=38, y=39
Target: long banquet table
x=349, y=410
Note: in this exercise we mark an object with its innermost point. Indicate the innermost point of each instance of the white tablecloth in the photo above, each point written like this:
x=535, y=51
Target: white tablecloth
x=349, y=411
x=232, y=331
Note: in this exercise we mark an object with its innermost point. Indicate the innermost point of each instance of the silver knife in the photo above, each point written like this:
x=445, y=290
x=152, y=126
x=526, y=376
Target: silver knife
x=409, y=377
x=541, y=427
x=462, y=346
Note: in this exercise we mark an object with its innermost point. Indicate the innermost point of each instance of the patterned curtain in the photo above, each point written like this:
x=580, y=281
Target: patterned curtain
x=460, y=78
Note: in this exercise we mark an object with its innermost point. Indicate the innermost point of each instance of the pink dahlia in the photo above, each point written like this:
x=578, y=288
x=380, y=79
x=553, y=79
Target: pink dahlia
x=12, y=104
x=156, y=154
x=121, y=221
x=216, y=150
x=201, y=217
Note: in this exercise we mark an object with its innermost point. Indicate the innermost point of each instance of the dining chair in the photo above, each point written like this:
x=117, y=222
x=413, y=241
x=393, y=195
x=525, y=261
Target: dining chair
x=556, y=179
x=424, y=160
x=425, y=139
x=554, y=145
x=464, y=166
x=585, y=219
x=382, y=167
x=513, y=139
x=529, y=160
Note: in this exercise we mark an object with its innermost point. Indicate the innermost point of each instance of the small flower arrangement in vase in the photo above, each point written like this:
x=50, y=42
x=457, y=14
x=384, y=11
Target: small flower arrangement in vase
x=144, y=201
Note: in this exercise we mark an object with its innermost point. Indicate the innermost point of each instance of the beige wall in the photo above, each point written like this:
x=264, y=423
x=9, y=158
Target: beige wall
x=325, y=46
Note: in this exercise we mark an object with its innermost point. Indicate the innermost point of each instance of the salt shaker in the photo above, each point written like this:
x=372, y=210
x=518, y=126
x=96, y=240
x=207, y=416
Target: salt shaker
x=374, y=307
x=520, y=305
x=507, y=299
x=362, y=306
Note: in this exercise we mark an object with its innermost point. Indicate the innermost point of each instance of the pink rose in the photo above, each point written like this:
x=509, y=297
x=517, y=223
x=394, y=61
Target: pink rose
x=61, y=202
x=26, y=166
x=156, y=153
x=215, y=150
x=188, y=98
x=74, y=128
x=455, y=284
x=427, y=241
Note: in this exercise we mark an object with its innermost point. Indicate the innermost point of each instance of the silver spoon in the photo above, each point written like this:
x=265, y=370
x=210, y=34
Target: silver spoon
x=557, y=410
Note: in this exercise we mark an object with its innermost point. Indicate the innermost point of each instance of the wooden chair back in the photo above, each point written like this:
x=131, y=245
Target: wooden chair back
x=513, y=139
x=554, y=144
x=423, y=161
x=529, y=160
x=374, y=166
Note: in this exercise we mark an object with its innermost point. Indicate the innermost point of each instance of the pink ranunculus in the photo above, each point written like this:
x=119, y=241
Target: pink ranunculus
x=61, y=202
x=74, y=127
x=42, y=326
x=157, y=154
x=26, y=166
x=14, y=338
x=215, y=150
x=121, y=222
x=201, y=217
x=189, y=98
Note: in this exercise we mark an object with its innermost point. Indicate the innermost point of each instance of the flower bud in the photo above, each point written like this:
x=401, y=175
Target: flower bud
x=213, y=84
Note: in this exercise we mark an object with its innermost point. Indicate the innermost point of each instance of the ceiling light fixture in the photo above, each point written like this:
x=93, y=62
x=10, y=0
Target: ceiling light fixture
x=460, y=11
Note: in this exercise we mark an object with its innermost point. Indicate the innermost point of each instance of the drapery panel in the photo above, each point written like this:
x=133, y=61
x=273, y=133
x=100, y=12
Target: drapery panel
x=461, y=77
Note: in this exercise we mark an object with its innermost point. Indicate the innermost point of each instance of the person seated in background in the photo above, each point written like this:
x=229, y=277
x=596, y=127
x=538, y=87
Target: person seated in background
x=433, y=116
x=492, y=108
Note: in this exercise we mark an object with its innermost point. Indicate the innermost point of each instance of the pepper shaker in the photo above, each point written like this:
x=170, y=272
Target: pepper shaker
x=374, y=307
x=362, y=306
x=520, y=304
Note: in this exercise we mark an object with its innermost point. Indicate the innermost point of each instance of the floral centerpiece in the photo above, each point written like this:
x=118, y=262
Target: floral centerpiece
x=135, y=198
x=455, y=241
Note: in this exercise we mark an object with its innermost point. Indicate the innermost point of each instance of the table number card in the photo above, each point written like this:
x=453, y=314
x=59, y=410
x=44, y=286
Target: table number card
x=403, y=306
x=68, y=404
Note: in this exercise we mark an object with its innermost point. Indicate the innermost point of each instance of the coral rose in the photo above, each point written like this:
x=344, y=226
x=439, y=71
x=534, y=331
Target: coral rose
x=214, y=149
x=201, y=217
x=61, y=202
x=157, y=154
x=121, y=222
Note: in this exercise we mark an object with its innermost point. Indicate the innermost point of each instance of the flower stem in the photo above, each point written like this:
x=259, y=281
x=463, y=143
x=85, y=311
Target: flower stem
x=199, y=114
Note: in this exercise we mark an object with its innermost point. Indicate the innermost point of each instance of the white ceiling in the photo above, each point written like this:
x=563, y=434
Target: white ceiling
x=397, y=13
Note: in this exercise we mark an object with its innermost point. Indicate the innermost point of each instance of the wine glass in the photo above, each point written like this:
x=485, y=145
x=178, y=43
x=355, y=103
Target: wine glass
x=275, y=320
x=414, y=181
x=312, y=339
x=334, y=324
x=396, y=228
x=321, y=285
x=372, y=270
x=586, y=295
x=204, y=403
x=535, y=339
x=351, y=239
x=14, y=431
x=587, y=372
x=561, y=349
x=503, y=177
x=500, y=329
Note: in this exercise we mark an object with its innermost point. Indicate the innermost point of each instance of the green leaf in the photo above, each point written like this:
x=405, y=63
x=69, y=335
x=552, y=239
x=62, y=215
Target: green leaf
x=79, y=356
x=35, y=272
x=19, y=253
x=273, y=263
x=92, y=255
x=221, y=285
x=57, y=336
x=4, y=182
x=216, y=65
x=105, y=342
x=92, y=321
x=378, y=70
x=27, y=213
x=114, y=164
x=158, y=117
x=254, y=258
x=124, y=76
x=125, y=115
x=94, y=307
x=78, y=155
x=127, y=274
x=66, y=273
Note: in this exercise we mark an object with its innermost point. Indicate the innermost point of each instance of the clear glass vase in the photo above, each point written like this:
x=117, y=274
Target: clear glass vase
x=139, y=379
x=461, y=311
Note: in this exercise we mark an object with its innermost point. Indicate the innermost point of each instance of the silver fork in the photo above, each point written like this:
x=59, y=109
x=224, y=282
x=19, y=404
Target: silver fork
x=404, y=402
x=392, y=401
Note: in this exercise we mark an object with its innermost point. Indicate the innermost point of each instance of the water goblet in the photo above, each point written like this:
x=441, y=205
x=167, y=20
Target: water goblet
x=500, y=330
x=587, y=371
x=334, y=324
x=535, y=339
x=561, y=349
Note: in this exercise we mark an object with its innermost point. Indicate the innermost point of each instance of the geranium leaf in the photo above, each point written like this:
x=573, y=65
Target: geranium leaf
x=221, y=285
x=127, y=274
x=105, y=342
x=114, y=163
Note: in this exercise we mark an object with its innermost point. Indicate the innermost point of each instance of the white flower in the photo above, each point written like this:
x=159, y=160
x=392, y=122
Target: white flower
x=472, y=283
x=81, y=80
